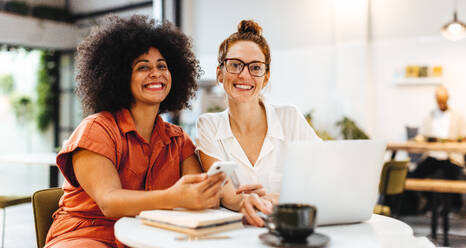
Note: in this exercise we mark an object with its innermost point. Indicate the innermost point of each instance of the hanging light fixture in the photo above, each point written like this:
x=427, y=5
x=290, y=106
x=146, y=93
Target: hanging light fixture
x=454, y=30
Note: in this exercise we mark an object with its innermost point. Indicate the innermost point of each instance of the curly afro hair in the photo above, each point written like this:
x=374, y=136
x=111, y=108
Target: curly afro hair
x=104, y=61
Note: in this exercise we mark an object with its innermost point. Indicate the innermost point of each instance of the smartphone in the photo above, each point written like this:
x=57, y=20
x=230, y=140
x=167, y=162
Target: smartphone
x=228, y=167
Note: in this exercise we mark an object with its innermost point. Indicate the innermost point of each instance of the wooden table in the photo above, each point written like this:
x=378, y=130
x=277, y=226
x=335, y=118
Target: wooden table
x=420, y=147
x=436, y=185
x=44, y=159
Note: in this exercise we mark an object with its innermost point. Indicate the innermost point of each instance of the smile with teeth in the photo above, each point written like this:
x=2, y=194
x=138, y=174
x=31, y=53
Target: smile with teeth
x=154, y=86
x=243, y=86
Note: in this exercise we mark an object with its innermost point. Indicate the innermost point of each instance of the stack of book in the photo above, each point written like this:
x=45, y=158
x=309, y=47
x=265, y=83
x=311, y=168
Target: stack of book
x=192, y=222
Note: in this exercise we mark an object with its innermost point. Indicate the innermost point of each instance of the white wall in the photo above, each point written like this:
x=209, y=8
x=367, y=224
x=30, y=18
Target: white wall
x=336, y=58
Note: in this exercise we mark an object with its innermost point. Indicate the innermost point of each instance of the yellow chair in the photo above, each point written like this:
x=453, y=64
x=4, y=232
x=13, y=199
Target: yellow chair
x=44, y=204
x=392, y=182
x=6, y=201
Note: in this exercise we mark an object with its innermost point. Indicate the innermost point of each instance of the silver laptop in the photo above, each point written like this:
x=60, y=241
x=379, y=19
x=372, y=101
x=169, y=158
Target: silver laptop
x=341, y=178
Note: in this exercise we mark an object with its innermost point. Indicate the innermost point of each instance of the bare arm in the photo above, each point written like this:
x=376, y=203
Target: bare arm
x=98, y=177
x=191, y=165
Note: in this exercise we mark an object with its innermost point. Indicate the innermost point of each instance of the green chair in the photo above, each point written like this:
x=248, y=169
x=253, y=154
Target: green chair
x=6, y=201
x=44, y=204
x=392, y=182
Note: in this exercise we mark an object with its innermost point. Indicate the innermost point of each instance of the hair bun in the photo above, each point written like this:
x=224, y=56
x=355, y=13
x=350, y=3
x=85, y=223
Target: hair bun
x=249, y=26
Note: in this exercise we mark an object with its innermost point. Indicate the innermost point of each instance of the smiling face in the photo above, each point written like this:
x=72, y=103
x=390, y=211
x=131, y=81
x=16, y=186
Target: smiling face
x=150, y=78
x=243, y=87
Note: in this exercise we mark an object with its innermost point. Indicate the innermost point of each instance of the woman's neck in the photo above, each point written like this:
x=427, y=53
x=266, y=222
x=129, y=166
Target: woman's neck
x=144, y=119
x=246, y=117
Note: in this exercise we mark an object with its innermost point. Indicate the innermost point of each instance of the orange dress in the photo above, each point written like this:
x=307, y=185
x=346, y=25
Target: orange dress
x=140, y=165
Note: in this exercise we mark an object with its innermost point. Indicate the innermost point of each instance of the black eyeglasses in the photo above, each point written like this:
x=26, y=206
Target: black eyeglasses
x=236, y=66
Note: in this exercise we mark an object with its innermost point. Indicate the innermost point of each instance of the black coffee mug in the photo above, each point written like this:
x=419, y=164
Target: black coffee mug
x=292, y=222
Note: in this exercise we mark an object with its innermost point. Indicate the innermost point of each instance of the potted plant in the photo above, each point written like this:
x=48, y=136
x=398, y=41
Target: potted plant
x=350, y=130
x=7, y=84
x=22, y=107
x=321, y=133
x=45, y=95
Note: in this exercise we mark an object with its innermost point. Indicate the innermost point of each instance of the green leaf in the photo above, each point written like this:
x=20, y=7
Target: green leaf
x=7, y=83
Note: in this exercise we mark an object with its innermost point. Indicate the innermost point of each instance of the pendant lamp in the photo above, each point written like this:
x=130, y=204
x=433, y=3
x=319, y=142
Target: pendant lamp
x=454, y=30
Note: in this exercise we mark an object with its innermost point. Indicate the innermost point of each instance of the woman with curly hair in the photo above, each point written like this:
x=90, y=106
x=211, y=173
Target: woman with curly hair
x=251, y=130
x=123, y=158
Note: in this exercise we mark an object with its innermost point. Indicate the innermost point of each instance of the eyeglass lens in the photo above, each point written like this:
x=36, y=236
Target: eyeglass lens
x=236, y=67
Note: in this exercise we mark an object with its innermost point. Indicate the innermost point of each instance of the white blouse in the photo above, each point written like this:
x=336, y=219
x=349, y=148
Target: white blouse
x=285, y=124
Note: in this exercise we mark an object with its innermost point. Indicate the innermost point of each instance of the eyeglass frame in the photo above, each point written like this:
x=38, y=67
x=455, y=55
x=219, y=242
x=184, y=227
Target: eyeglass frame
x=245, y=65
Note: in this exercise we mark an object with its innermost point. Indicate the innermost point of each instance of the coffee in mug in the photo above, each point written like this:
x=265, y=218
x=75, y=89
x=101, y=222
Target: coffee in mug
x=292, y=222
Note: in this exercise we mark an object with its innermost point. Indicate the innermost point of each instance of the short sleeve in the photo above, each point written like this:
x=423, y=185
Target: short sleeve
x=302, y=129
x=206, y=141
x=91, y=135
x=187, y=147
x=425, y=126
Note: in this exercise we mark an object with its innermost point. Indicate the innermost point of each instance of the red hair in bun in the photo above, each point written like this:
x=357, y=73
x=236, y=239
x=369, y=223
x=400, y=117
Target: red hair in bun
x=249, y=26
x=248, y=30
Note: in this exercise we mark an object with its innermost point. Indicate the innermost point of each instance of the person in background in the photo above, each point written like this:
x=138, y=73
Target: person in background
x=123, y=158
x=250, y=131
x=441, y=124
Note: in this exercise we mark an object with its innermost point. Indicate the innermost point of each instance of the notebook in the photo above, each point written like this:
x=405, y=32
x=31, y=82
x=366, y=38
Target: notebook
x=340, y=178
x=193, y=222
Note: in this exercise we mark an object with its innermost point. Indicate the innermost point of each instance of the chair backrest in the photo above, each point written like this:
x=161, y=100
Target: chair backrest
x=411, y=132
x=44, y=204
x=393, y=177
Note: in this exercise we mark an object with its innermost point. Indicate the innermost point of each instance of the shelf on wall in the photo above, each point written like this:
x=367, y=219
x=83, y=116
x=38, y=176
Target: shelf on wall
x=419, y=81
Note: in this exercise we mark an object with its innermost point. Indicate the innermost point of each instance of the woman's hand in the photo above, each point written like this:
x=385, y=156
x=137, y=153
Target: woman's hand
x=250, y=203
x=198, y=191
x=273, y=197
x=251, y=188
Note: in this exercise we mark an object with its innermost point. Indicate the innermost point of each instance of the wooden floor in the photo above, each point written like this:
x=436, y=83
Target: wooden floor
x=19, y=231
x=457, y=232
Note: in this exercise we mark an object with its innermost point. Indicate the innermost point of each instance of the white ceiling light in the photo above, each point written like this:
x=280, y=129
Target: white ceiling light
x=454, y=30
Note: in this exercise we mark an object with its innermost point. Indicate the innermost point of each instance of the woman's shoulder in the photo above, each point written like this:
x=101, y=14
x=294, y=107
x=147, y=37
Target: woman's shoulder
x=211, y=118
x=97, y=125
x=103, y=116
x=105, y=119
x=173, y=130
x=285, y=110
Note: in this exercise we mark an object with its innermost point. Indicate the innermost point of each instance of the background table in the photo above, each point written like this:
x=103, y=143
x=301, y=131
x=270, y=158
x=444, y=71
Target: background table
x=379, y=231
x=420, y=147
x=46, y=158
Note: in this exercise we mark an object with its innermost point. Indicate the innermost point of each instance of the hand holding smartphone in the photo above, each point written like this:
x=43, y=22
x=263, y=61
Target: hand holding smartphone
x=228, y=167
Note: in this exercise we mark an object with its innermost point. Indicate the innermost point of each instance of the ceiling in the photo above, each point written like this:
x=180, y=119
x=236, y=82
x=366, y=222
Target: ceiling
x=88, y=6
x=35, y=33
